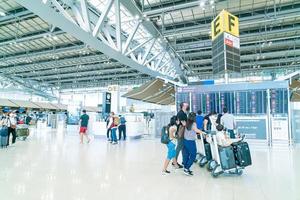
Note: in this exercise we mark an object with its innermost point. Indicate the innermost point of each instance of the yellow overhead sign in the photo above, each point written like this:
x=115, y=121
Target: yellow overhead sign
x=224, y=22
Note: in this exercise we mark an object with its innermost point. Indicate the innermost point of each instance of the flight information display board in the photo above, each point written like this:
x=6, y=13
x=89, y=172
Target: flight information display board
x=182, y=97
x=238, y=102
x=279, y=101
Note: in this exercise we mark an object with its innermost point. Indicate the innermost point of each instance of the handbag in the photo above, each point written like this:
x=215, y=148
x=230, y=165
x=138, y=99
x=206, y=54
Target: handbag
x=12, y=125
x=180, y=132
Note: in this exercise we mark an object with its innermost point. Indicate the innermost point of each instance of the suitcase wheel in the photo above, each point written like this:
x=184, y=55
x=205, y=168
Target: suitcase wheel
x=211, y=165
x=239, y=172
x=203, y=161
x=216, y=171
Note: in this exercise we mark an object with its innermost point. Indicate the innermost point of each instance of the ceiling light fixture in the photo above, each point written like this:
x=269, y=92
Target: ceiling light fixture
x=2, y=14
x=270, y=43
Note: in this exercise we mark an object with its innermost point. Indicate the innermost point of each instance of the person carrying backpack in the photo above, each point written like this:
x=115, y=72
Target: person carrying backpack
x=114, y=122
x=169, y=138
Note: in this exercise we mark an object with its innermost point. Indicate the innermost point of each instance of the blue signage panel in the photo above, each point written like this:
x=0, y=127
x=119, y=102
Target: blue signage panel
x=252, y=128
x=235, y=87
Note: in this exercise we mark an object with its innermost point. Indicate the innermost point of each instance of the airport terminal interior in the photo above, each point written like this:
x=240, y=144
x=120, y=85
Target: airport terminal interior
x=149, y=99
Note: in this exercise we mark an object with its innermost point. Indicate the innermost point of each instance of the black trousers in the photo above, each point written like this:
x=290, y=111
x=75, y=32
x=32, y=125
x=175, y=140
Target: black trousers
x=14, y=135
x=107, y=133
x=122, y=129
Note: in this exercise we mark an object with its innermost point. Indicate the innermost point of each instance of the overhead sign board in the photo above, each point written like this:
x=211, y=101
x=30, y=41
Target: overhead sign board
x=231, y=40
x=225, y=22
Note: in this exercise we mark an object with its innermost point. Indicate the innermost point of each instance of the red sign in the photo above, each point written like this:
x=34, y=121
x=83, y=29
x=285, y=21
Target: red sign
x=228, y=42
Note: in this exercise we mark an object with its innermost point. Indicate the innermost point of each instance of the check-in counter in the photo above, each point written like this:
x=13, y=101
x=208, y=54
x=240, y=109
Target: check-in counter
x=135, y=126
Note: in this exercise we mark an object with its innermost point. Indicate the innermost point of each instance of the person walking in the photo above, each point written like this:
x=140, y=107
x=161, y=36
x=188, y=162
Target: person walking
x=84, y=121
x=171, y=155
x=182, y=117
x=12, y=125
x=28, y=119
x=189, y=151
x=122, y=127
x=228, y=121
x=108, y=130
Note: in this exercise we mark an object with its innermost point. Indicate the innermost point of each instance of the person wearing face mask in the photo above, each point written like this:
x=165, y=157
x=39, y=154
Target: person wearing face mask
x=182, y=117
x=12, y=125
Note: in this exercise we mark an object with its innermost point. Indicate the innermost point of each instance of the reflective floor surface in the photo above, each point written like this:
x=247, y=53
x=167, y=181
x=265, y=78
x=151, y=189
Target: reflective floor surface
x=52, y=165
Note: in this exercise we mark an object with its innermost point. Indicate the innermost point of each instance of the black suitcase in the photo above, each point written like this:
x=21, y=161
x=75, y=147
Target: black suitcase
x=207, y=151
x=227, y=157
x=242, y=154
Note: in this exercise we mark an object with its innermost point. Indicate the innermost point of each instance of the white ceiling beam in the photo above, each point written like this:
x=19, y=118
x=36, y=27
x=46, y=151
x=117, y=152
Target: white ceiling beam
x=85, y=14
x=148, y=51
x=118, y=25
x=102, y=17
x=51, y=16
x=130, y=37
x=138, y=46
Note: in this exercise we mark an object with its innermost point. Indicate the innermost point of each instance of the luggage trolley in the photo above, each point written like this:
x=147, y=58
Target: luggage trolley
x=223, y=159
x=22, y=131
x=212, y=162
x=204, y=154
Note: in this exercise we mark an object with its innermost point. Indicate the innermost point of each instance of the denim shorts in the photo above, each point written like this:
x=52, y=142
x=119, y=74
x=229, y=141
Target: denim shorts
x=171, y=150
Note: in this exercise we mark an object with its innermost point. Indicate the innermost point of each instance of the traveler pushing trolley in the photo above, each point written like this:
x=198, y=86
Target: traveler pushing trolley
x=229, y=156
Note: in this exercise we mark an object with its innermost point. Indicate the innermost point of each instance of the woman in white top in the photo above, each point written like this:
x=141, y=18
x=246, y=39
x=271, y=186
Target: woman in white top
x=172, y=129
x=12, y=125
x=223, y=139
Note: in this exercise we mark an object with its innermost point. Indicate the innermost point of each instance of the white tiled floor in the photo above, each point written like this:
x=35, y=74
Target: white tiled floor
x=54, y=166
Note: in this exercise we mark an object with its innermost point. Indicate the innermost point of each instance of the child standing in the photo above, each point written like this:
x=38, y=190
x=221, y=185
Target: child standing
x=172, y=129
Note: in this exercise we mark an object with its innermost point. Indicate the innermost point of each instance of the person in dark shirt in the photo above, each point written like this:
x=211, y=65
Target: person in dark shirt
x=182, y=116
x=28, y=120
x=122, y=127
x=84, y=121
x=207, y=123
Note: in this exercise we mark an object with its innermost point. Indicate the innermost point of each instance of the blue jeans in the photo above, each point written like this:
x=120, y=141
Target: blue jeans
x=114, y=134
x=231, y=133
x=189, y=153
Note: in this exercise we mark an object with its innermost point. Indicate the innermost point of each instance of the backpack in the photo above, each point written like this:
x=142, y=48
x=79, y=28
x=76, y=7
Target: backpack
x=116, y=121
x=165, y=135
